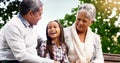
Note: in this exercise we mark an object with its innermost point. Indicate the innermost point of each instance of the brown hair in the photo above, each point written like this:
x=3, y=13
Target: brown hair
x=49, y=40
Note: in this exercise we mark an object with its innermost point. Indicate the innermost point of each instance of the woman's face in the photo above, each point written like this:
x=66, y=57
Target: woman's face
x=53, y=30
x=82, y=22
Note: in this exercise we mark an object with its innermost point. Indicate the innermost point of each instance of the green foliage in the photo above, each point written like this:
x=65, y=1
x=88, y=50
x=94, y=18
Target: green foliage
x=104, y=25
x=69, y=19
x=7, y=10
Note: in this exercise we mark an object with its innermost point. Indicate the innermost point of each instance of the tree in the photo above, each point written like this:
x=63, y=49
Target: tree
x=104, y=26
x=7, y=10
x=107, y=15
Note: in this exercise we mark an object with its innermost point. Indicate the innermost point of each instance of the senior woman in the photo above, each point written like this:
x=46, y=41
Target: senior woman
x=84, y=45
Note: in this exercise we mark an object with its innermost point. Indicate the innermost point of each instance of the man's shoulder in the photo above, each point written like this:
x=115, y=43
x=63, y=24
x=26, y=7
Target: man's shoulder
x=14, y=21
x=13, y=24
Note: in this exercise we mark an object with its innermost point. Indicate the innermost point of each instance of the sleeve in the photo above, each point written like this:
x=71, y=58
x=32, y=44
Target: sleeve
x=42, y=49
x=39, y=43
x=65, y=54
x=65, y=59
x=98, y=56
x=16, y=42
x=68, y=41
x=67, y=36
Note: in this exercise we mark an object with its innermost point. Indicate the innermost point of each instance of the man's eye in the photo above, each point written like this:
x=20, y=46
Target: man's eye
x=78, y=19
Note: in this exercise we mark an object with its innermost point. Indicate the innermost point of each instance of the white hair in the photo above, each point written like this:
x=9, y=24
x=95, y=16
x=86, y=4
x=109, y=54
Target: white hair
x=89, y=9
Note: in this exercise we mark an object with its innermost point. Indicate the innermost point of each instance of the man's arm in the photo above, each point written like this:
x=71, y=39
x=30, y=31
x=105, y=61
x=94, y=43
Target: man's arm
x=17, y=44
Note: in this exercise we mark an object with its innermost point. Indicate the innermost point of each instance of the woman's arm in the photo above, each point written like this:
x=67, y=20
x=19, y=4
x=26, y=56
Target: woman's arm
x=98, y=56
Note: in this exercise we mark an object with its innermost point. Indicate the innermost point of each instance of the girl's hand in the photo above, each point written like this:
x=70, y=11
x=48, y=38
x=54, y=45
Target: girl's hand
x=56, y=62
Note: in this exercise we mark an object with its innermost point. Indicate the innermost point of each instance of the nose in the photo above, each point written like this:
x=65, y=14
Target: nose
x=40, y=17
x=52, y=28
x=81, y=22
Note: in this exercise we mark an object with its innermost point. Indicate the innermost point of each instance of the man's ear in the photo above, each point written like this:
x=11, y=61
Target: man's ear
x=30, y=13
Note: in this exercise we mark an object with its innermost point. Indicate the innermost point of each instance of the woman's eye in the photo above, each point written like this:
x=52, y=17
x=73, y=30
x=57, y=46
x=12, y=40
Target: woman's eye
x=84, y=21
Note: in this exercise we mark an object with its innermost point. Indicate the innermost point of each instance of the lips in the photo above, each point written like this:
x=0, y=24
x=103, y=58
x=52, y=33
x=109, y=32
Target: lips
x=52, y=32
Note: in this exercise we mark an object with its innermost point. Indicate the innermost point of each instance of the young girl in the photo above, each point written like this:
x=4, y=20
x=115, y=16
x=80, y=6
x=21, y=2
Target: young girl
x=55, y=47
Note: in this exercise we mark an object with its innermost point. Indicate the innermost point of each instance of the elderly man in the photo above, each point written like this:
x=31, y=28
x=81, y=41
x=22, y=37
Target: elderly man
x=18, y=40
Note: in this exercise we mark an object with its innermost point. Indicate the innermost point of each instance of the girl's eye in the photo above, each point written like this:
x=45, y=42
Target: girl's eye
x=55, y=27
x=49, y=27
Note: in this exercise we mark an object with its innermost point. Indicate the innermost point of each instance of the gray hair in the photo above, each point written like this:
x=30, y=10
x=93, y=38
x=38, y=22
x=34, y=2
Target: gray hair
x=27, y=5
x=89, y=9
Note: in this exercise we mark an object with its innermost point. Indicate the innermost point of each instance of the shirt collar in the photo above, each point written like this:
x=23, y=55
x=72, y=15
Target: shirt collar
x=24, y=21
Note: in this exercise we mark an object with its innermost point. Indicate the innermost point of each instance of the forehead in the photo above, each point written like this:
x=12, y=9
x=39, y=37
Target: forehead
x=82, y=14
x=40, y=10
x=52, y=23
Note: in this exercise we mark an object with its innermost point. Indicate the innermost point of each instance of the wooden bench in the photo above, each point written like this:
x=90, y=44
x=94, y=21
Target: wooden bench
x=111, y=58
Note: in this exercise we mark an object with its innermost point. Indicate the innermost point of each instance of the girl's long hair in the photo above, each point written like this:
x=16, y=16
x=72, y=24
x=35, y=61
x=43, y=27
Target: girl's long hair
x=49, y=48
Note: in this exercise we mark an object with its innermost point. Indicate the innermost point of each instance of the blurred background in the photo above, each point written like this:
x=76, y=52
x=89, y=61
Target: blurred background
x=107, y=23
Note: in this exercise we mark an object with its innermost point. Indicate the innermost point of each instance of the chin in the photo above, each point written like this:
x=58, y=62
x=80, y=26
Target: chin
x=35, y=24
x=80, y=31
x=53, y=37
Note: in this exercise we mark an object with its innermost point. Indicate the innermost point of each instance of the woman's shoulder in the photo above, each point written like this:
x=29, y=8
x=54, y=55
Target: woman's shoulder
x=67, y=28
x=96, y=35
x=93, y=34
x=97, y=41
x=67, y=31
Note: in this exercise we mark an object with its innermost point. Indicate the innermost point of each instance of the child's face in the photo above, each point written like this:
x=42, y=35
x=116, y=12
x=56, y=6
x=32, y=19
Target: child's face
x=53, y=30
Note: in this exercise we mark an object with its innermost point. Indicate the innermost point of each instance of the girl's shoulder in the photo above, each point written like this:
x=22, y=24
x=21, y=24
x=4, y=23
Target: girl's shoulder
x=43, y=43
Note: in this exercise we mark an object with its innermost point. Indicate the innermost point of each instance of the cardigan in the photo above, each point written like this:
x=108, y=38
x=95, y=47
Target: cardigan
x=19, y=41
x=93, y=51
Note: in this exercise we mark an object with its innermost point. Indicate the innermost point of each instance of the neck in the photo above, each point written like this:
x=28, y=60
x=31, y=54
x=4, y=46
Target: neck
x=82, y=36
x=56, y=41
x=26, y=17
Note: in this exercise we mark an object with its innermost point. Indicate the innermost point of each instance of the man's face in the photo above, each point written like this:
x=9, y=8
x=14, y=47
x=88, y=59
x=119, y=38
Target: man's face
x=35, y=17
